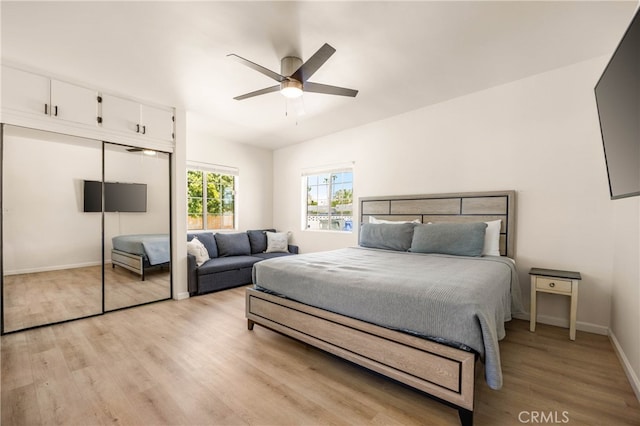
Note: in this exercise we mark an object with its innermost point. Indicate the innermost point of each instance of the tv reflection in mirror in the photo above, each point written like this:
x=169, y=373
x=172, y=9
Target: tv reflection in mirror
x=118, y=197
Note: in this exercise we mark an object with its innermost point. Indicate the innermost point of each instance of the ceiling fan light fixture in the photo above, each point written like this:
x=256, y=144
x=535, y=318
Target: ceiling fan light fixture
x=291, y=88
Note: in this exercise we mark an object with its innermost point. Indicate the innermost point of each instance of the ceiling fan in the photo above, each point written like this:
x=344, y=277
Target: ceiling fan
x=294, y=76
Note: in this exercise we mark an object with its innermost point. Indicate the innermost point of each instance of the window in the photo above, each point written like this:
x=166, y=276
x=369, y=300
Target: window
x=329, y=204
x=215, y=188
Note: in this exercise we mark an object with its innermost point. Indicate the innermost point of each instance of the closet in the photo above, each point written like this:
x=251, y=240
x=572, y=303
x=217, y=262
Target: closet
x=57, y=247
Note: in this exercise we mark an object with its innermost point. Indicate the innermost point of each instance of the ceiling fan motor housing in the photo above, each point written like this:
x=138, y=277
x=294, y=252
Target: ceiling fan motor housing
x=289, y=65
x=290, y=88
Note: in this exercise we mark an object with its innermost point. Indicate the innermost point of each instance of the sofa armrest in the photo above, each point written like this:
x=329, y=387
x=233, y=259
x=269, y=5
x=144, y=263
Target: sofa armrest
x=192, y=274
x=292, y=249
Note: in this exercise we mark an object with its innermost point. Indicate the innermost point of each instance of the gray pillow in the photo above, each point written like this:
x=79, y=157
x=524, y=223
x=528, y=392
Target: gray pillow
x=389, y=236
x=258, y=240
x=460, y=239
x=235, y=244
x=208, y=240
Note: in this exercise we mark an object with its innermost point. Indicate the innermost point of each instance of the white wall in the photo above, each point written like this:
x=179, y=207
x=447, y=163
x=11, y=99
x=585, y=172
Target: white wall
x=178, y=208
x=254, y=195
x=625, y=295
x=44, y=224
x=539, y=136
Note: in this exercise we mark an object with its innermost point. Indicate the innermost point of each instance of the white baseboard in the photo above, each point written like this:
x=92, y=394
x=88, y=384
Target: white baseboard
x=626, y=365
x=51, y=268
x=181, y=296
x=564, y=323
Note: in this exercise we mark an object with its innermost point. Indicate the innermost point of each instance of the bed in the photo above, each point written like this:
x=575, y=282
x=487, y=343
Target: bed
x=423, y=319
x=138, y=252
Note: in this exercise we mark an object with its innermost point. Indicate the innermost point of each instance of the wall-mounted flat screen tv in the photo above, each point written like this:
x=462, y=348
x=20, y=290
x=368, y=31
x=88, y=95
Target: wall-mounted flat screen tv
x=118, y=197
x=618, y=99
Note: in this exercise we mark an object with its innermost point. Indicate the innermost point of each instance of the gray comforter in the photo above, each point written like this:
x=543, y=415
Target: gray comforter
x=458, y=299
x=154, y=246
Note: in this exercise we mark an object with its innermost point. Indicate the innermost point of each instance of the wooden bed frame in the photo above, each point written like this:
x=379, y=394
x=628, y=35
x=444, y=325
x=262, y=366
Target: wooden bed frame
x=133, y=262
x=446, y=373
x=130, y=261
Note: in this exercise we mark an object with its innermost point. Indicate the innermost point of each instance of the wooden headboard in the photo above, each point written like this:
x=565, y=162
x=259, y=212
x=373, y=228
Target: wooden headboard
x=454, y=207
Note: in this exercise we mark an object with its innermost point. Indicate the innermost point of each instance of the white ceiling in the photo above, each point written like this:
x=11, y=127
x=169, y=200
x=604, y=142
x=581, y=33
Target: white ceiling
x=400, y=55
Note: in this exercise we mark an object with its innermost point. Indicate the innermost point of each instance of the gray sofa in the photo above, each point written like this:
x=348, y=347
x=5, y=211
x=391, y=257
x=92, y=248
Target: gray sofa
x=231, y=259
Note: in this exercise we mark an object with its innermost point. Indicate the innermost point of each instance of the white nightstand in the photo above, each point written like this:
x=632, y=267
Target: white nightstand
x=556, y=282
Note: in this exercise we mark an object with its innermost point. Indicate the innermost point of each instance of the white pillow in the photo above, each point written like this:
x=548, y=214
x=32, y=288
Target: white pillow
x=492, y=238
x=196, y=248
x=277, y=242
x=373, y=219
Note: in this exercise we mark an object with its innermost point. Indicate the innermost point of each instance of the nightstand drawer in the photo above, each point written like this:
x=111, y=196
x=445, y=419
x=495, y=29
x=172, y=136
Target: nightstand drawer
x=553, y=284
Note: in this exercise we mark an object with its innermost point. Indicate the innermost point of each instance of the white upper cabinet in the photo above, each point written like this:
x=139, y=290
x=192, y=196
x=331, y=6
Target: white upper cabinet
x=120, y=114
x=25, y=92
x=157, y=122
x=74, y=103
x=30, y=93
x=125, y=115
x=41, y=102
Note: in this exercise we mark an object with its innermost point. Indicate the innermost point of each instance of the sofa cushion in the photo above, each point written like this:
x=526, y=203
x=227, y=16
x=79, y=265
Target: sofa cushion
x=258, y=240
x=270, y=255
x=221, y=264
x=208, y=240
x=234, y=244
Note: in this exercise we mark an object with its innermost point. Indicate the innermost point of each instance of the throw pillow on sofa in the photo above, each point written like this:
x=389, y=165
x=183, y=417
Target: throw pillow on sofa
x=208, y=240
x=277, y=242
x=197, y=249
x=234, y=244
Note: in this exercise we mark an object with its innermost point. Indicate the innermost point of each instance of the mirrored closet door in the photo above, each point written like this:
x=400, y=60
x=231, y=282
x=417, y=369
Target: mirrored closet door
x=136, y=226
x=52, y=249
x=85, y=227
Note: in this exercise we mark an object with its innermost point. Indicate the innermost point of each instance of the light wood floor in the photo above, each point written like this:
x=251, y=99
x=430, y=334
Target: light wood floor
x=193, y=362
x=52, y=296
x=124, y=288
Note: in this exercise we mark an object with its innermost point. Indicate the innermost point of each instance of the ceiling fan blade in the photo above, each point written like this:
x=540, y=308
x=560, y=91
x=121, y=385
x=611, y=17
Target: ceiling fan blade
x=329, y=90
x=312, y=64
x=258, y=92
x=271, y=74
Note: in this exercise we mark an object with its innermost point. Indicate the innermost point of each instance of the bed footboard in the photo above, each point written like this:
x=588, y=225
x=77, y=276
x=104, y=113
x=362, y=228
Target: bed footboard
x=438, y=370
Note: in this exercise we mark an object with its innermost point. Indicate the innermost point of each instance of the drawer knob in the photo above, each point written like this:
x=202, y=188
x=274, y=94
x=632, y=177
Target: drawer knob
x=552, y=285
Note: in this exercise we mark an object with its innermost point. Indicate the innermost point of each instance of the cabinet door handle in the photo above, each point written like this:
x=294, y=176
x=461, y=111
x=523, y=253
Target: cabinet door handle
x=137, y=128
x=552, y=285
x=55, y=110
x=144, y=130
x=46, y=109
